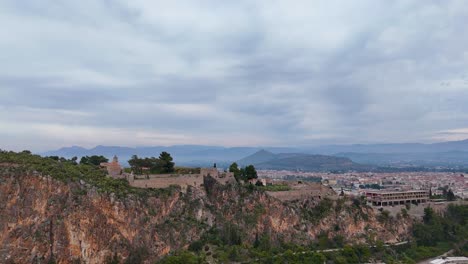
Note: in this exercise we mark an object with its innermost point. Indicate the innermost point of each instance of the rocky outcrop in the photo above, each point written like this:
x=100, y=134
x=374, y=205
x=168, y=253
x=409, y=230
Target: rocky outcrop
x=43, y=219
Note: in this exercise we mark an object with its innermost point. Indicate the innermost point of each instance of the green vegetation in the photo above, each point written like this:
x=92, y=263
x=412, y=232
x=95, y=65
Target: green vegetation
x=450, y=228
x=68, y=170
x=93, y=160
x=371, y=186
x=302, y=178
x=243, y=174
x=163, y=164
x=320, y=211
x=234, y=168
x=186, y=170
x=275, y=188
x=446, y=194
x=435, y=235
x=384, y=217
x=182, y=257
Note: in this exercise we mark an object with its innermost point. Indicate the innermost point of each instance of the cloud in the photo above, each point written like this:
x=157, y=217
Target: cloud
x=238, y=73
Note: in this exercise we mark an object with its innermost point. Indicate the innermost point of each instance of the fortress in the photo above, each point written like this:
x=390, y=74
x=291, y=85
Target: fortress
x=183, y=180
x=306, y=190
x=114, y=169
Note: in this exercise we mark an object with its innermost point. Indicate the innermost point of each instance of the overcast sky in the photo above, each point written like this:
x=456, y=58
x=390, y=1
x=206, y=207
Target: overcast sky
x=231, y=73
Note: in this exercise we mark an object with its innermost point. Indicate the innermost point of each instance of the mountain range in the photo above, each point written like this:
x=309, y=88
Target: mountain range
x=452, y=153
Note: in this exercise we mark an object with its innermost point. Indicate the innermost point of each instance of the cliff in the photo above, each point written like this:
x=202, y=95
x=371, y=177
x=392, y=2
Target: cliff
x=68, y=221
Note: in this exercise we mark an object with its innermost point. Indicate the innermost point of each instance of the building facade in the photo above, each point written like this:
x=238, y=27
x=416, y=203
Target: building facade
x=386, y=198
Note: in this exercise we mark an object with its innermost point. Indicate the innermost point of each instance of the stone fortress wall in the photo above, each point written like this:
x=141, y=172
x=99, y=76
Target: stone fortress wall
x=114, y=170
x=301, y=191
x=183, y=180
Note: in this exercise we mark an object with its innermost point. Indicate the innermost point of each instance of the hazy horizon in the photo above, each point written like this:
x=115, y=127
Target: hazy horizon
x=149, y=73
x=298, y=147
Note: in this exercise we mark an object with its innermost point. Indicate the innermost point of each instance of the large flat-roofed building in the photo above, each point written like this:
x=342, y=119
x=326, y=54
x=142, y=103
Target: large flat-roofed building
x=385, y=198
x=450, y=260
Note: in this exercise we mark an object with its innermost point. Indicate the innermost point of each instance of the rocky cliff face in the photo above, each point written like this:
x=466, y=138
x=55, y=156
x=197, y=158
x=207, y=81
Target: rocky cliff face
x=43, y=219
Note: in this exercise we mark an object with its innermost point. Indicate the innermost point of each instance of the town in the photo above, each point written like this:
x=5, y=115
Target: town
x=358, y=183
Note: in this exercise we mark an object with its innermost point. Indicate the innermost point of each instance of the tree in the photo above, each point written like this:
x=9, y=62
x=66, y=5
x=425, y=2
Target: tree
x=135, y=165
x=234, y=168
x=181, y=257
x=93, y=160
x=429, y=215
x=444, y=191
x=54, y=157
x=250, y=172
x=350, y=254
x=166, y=162
x=73, y=160
x=163, y=164
x=451, y=195
x=362, y=252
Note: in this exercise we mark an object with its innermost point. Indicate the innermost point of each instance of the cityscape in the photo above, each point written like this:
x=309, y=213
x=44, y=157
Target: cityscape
x=354, y=183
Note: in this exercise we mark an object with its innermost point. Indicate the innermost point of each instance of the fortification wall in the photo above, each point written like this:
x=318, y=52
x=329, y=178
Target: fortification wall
x=225, y=178
x=304, y=191
x=183, y=180
x=163, y=181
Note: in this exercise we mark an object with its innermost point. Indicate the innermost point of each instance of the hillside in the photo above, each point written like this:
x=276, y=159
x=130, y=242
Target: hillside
x=298, y=161
x=258, y=157
x=71, y=213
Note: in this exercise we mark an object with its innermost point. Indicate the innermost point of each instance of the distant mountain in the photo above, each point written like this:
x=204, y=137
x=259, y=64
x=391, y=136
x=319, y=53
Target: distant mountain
x=393, y=148
x=298, y=161
x=452, y=158
x=258, y=157
x=186, y=155
x=437, y=154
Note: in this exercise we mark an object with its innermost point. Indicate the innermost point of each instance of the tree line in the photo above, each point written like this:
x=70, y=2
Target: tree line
x=163, y=164
x=244, y=174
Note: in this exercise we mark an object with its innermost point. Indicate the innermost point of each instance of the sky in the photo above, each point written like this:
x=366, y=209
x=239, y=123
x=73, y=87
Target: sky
x=231, y=73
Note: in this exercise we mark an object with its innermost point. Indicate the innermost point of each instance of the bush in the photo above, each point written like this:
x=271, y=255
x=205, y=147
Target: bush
x=183, y=257
x=196, y=246
x=384, y=217
x=275, y=188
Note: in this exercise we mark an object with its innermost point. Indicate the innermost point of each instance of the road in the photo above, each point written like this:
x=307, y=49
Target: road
x=338, y=249
x=428, y=261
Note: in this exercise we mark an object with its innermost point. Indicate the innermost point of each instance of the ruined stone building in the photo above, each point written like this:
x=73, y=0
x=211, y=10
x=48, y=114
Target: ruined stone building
x=113, y=168
x=182, y=180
